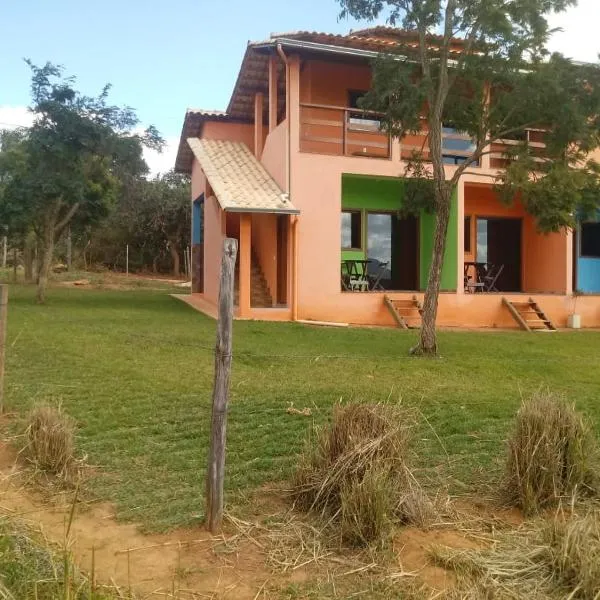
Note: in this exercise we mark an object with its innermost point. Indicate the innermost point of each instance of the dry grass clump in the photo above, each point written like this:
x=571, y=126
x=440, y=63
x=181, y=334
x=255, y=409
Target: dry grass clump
x=575, y=554
x=50, y=440
x=355, y=472
x=551, y=454
x=541, y=560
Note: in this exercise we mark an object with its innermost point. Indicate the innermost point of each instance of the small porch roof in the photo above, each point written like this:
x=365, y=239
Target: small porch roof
x=239, y=181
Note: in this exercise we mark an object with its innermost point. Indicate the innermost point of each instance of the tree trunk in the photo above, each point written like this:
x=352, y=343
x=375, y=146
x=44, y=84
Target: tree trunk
x=28, y=262
x=428, y=342
x=69, y=250
x=427, y=345
x=15, y=264
x=44, y=267
x=174, y=250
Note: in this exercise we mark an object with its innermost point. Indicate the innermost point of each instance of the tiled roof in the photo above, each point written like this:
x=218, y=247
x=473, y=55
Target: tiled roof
x=240, y=182
x=192, y=127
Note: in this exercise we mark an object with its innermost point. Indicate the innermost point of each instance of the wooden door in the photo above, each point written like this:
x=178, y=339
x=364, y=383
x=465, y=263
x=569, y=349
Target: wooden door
x=504, y=248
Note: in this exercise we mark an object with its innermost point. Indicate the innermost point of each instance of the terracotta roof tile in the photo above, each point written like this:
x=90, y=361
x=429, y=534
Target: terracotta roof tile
x=240, y=182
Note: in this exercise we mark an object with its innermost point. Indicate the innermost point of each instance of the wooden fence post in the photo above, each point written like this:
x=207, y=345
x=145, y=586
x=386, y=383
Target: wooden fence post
x=3, y=315
x=216, y=454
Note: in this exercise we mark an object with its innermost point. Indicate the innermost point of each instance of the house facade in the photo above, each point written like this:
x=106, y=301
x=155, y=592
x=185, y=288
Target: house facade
x=313, y=190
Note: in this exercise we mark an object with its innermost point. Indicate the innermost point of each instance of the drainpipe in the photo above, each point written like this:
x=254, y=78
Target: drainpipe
x=294, y=219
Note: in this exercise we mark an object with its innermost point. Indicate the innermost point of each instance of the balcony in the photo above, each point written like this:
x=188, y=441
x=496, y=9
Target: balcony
x=343, y=131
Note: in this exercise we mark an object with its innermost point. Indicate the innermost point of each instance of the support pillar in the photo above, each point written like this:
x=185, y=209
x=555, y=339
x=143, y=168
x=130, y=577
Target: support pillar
x=245, y=278
x=258, y=124
x=273, y=87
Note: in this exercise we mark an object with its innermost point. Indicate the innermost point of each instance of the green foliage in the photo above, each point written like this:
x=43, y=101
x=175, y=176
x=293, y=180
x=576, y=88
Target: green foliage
x=67, y=168
x=152, y=216
x=502, y=82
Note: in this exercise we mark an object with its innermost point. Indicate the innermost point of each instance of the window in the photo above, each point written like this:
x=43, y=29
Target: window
x=590, y=240
x=354, y=96
x=351, y=229
x=455, y=146
x=467, y=234
x=359, y=120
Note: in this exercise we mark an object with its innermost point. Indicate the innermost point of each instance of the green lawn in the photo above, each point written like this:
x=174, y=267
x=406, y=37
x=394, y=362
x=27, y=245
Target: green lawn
x=135, y=370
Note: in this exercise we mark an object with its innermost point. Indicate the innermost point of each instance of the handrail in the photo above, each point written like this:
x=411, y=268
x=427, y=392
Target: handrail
x=341, y=108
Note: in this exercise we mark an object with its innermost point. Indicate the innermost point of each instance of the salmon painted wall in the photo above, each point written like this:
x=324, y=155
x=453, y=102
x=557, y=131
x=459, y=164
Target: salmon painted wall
x=213, y=243
x=234, y=132
x=545, y=258
x=264, y=245
x=328, y=82
x=274, y=155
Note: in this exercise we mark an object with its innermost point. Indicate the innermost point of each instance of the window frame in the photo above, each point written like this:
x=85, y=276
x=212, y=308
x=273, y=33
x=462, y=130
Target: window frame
x=468, y=234
x=351, y=212
x=596, y=224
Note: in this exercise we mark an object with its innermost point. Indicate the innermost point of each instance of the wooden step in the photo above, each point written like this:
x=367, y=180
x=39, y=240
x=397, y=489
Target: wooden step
x=404, y=310
x=529, y=315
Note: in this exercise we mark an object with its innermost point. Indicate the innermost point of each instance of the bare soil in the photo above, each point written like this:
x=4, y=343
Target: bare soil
x=218, y=567
x=194, y=563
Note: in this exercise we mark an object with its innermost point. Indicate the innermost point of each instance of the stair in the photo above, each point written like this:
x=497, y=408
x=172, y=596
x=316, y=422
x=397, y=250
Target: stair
x=529, y=315
x=260, y=296
x=406, y=312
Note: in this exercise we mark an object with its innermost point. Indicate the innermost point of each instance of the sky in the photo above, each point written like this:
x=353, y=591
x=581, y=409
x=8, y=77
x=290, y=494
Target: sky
x=162, y=57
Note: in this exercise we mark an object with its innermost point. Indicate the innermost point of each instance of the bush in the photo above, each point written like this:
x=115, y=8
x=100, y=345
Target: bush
x=356, y=472
x=551, y=454
x=50, y=440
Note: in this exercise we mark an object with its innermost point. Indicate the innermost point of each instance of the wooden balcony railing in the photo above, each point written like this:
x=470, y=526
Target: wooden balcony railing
x=342, y=131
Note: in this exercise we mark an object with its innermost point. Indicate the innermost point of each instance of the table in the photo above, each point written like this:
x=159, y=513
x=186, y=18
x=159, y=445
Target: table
x=355, y=276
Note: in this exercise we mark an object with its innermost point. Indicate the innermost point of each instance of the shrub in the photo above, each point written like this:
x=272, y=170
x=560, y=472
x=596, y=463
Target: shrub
x=355, y=472
x=50, y=439
x=551, y=454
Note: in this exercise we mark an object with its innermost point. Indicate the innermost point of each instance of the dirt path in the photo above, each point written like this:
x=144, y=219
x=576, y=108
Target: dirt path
x=191, y=562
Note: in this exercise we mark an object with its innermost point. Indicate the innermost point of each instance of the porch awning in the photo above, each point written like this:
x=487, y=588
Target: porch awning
x=240, y=182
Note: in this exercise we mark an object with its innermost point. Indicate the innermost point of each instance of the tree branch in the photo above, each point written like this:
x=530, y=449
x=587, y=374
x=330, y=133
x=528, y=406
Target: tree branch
x=58, y=228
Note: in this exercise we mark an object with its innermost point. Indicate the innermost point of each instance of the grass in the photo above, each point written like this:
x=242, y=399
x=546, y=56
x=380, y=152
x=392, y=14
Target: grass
x=32, y=569
x=135, y=368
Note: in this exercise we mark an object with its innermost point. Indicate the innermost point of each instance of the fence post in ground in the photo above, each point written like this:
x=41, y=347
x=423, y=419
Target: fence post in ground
x=3, y=315
x=216, y=454
x=127, y=260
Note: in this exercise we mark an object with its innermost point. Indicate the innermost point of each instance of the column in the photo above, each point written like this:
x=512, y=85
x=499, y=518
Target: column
x=245, y=264
x=273, y=86
x=258, y=124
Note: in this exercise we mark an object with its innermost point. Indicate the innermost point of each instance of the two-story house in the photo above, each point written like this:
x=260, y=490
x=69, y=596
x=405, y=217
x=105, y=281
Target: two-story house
x=311, y=187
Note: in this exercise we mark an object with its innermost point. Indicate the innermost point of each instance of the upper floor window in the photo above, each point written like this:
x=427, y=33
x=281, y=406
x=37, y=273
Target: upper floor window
x=359, y=120
x=590, y=240
x=456, y=146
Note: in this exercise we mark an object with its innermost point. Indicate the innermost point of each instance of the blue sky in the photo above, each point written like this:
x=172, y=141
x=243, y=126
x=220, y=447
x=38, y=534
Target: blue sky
x=164, y=56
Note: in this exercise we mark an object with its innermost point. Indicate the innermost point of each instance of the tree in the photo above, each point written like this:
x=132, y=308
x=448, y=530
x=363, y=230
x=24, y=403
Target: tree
x=68, y=167
x=153, y=217
x=494, y=82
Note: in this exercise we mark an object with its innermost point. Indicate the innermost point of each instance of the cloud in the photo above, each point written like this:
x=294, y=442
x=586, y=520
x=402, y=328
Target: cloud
x=12, y=117
x=579, y=38
x=165, y=161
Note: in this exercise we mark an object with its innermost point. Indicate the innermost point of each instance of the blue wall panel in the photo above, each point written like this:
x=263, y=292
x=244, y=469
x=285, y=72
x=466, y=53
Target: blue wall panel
x=197, y=214
x=588, y=275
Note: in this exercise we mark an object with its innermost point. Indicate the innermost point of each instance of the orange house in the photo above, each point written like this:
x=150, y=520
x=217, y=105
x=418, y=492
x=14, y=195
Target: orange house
x=313, y=189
